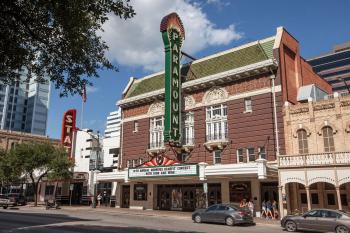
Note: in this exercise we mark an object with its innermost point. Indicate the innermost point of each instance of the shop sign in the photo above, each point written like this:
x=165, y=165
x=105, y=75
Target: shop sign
x=80, y=176
x=164, y=171
x=173, y=35
x=68, y=128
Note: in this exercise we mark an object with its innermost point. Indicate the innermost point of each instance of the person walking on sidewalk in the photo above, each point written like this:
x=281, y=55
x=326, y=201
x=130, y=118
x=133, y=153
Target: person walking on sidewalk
x=251, y=207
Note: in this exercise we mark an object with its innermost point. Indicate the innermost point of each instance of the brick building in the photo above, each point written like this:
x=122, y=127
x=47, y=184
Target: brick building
x=232, y=128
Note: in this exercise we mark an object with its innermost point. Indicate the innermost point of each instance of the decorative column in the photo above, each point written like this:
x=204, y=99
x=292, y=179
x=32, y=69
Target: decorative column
x=281, y=194
x=307, y=188
x=337, y=189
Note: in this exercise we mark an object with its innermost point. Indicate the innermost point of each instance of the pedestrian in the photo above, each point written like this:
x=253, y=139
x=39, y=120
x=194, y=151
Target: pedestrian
x=243, y=203
x=251, y=206
x=263, y=209
x=269, y=210
x=275, y=209
x=99, y=198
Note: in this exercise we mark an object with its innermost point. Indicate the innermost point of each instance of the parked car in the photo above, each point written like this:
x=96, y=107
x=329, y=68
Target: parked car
x=17, y=198
x=318, y=220
x=5, y=201
x=223, y=213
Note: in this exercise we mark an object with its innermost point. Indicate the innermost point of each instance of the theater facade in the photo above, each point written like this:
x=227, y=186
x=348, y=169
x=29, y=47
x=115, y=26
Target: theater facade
x=231, y=126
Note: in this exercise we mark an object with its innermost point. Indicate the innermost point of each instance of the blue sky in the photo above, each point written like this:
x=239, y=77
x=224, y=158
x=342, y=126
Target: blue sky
x=211, y=26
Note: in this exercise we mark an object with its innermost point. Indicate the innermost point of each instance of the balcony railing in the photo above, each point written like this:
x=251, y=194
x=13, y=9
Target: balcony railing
x=218, y=141
x=314, y=160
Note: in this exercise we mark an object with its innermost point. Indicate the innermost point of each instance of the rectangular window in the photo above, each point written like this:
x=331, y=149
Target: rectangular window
x=216, y=123
x=314, y=198
x=303, y=198
x=189, y=129
x=136, y=126
x=217, y=157
x=128, y=163
x=156, y=132
x=247, y=105
x=135, y=162
x=331, y=199
x=240, y=155
x=262, y=152
x=140, y=161
x=49, y=190
x=251, y=154
x=344, y=200
x=140, y=192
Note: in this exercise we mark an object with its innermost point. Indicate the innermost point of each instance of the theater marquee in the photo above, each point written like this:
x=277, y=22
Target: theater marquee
x=164, y=171
x=173, y=35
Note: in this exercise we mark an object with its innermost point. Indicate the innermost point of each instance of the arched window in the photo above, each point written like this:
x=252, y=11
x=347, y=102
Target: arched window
x=328, y=140
x=302, y=141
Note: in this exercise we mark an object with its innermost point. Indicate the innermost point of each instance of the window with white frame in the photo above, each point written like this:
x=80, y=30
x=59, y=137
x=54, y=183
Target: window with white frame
x=262, y=152
x=216, y=120
x=156, y=132
x=189, y=129
x=135, y=162
x=217, y=156
x=248, y=105
x=240, y=155
x=136, y=126
x=140, y=161
x=251, y=154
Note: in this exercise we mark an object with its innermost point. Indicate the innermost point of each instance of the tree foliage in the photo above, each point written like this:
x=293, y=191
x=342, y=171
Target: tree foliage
x=38, y=160
x=57, y=38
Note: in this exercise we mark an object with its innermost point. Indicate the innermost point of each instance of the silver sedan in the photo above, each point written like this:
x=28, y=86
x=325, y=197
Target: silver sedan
x=318, y=220
x=223, y=213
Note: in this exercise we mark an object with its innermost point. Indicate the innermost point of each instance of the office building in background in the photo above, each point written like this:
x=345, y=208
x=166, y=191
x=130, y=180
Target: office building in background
x=111, y=141
x=24, y=106
x=334, y=67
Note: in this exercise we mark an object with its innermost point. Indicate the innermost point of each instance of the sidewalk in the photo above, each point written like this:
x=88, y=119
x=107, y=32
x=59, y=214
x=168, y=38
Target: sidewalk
x=152, y=213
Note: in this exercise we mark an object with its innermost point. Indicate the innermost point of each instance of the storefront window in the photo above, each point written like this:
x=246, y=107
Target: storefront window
x=49, y=190
x=239, y=191
x=140, y=192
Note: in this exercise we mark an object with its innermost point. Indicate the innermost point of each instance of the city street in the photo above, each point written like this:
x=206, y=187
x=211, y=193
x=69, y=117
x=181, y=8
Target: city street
x=89, y=220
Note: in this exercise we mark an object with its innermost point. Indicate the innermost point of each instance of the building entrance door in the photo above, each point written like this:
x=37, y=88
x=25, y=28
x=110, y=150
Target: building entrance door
x=269, y=191
x=125, y=202
x=214, y=194
x=164, y=200
x=189, y=198
x=77, y=193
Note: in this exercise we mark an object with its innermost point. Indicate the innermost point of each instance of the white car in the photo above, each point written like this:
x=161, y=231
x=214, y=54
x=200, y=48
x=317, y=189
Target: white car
x=5, y=202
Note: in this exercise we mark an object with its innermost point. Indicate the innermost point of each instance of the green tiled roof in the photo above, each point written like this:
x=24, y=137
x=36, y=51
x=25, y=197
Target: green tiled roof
x=217, y=64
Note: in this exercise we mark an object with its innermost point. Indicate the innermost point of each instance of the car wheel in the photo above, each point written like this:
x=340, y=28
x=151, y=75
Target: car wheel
x=197, y=219
x=290, y=226
x=229, y=221
x=5, y=207
x=341, y=229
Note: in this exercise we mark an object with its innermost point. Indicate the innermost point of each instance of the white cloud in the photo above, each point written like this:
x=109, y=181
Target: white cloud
x=91, y=89
x=137, y=42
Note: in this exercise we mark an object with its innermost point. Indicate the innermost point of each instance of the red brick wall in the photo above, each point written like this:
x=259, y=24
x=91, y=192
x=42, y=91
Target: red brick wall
x=293, y=71
x=245, y=130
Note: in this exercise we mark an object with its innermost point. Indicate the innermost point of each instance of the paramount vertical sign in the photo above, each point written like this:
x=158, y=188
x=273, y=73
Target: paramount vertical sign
x=173, y=34
x=68, y=128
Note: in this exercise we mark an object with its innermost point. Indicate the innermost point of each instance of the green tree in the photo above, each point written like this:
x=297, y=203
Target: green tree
x=8, y=173
x=57, y=39
x=38, y=160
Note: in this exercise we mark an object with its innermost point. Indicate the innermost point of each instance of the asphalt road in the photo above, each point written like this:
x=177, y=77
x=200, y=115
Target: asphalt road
x=76, y=221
